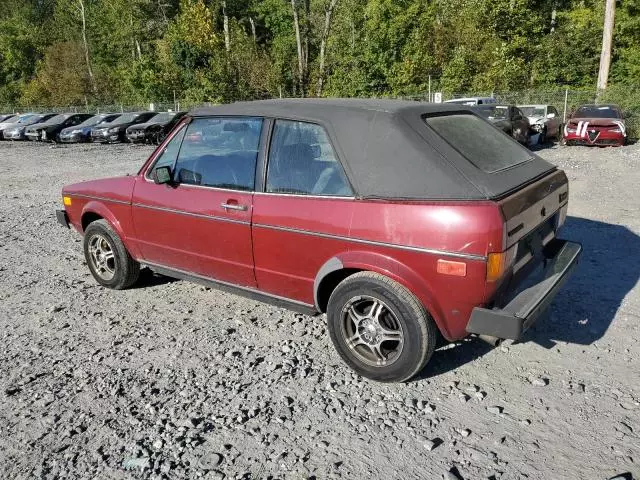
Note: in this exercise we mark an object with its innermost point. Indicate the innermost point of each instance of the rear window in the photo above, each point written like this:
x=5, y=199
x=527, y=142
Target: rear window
x=479, y=142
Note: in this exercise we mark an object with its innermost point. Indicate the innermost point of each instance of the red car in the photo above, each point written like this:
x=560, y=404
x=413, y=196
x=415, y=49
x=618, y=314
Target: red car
x=396, y=219
x=599, y=125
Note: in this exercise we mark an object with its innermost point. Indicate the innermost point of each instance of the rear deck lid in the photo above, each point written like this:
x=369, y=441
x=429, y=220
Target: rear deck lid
x=489, y=159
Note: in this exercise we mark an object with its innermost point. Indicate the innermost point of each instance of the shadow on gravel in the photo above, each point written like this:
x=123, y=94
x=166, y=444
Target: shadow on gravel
x=451, y=356
x=585, y=307
x=151, y=279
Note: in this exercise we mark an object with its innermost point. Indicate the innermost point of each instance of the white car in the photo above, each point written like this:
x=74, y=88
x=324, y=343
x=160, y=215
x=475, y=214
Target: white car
x=472, y=101
x=544, y=120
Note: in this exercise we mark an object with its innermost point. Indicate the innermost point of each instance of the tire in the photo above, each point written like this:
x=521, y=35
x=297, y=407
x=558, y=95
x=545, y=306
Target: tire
x=399, y=357
x=107, y=258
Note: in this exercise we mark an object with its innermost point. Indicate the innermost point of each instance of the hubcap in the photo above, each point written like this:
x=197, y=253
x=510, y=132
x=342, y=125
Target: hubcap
x=372, y=331
x=101, y=257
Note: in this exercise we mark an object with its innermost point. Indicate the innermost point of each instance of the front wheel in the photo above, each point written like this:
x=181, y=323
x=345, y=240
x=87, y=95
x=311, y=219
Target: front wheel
x=108, y=259
x=379, y=328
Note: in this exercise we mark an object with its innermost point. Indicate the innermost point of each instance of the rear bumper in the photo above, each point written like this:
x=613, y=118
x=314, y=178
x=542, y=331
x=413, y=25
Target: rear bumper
x=513, y=319
x=63, y=218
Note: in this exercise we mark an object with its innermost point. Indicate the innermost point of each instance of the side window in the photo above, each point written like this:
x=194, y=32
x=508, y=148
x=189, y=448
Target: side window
x=302, y=161
x=170, y=152
x=220, y=152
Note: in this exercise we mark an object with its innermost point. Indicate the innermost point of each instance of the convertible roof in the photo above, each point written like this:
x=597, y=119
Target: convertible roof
x=387, y=149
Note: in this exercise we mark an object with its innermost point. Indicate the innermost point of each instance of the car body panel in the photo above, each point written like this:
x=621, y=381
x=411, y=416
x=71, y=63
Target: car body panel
x=186, y=227
x=593, y=130
x=153, y=130
x=82, y=131
x=288, y=245
x=543, y=118
x=115, y=131
x=513, y=122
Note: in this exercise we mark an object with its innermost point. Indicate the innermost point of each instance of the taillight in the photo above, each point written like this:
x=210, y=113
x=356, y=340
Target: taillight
x=499, y=263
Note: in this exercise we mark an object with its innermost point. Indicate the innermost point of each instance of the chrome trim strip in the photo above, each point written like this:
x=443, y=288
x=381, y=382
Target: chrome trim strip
x=190, y=214
x=278, y=194
x=93, y=197
x=431, y=251
x=228, y=284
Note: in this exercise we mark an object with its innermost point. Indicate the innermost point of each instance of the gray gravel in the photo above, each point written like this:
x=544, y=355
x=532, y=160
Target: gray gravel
x=173, y=380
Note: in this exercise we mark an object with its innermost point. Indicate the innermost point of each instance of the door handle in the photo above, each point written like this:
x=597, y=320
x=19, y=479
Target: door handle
x=234, y=206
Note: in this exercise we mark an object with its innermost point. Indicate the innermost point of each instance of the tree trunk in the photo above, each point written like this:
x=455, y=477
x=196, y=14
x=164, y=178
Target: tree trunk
x=296, y=26
x=323, y=44
x=607, y=41
x=554, y=14
x=227, y=38
x=306, y=34
x=253, y=30
x=86, y=45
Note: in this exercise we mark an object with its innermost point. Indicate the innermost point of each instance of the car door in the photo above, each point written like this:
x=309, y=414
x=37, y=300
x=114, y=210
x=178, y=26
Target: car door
x=201, y=221
x=520, y=125
x=302, y=215
x=554, y=123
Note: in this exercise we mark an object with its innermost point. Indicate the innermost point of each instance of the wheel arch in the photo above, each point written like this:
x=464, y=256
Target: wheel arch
x=96, y=210
x=338, y=268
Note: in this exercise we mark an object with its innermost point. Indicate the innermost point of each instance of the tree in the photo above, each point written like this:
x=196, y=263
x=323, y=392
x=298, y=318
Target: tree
x=607, y=41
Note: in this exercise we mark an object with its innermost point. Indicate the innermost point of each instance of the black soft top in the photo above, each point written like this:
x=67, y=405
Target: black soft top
x=388, y=151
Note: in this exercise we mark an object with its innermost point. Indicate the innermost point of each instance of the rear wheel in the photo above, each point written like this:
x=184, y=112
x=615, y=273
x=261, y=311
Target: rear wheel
x=379, y=328
x=108, y=259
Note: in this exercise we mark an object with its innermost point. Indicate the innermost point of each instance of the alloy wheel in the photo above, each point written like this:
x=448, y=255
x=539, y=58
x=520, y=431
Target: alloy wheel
x=372, y=331
x=102, y=258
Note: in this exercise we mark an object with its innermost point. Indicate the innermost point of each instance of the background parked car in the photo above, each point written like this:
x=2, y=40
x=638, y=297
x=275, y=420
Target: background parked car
x=544, y=120
x=50, y=129
x=596, y=125
x=115, y=131
x=155, y=130
x=509, y=119
x=82, y=131
x=17, y=131
x=13, y=121
x=472, y=101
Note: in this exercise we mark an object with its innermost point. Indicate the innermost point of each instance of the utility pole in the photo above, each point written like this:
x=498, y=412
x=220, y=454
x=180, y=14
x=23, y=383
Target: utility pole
x=607, y=41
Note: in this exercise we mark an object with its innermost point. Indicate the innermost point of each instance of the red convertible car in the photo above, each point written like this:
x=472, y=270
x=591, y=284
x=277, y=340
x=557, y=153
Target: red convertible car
x=596, y=125
x=396, y=219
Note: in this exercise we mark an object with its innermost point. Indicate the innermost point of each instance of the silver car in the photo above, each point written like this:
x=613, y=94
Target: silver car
x=544, y=120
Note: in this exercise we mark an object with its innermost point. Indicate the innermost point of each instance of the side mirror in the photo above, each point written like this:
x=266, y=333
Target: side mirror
x=551, y=115
x=161, y=175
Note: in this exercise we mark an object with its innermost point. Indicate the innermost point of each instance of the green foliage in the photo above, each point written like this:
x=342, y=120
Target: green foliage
x=142, y=51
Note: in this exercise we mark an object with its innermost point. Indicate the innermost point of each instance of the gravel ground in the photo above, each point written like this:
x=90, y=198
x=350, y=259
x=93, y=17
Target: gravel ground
x=173, y=380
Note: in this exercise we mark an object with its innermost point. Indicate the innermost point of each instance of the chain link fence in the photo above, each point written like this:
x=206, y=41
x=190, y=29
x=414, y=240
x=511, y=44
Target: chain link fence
x=566, y=101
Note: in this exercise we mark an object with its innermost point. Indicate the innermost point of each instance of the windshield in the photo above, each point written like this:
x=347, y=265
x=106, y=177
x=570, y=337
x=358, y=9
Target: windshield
x=22, y=119
x=56, y=119
x=463, y=102
x=494, y=112
x=533, y=111
x=162, y=117
x=33, y=119
x=126, y=118
x=479, y=142
x=597, y=112
x=96, y=119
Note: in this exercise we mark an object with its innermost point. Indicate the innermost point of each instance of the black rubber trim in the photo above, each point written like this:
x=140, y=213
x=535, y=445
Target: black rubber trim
x=62, y=217
x=247, y=292
x=512, y=320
